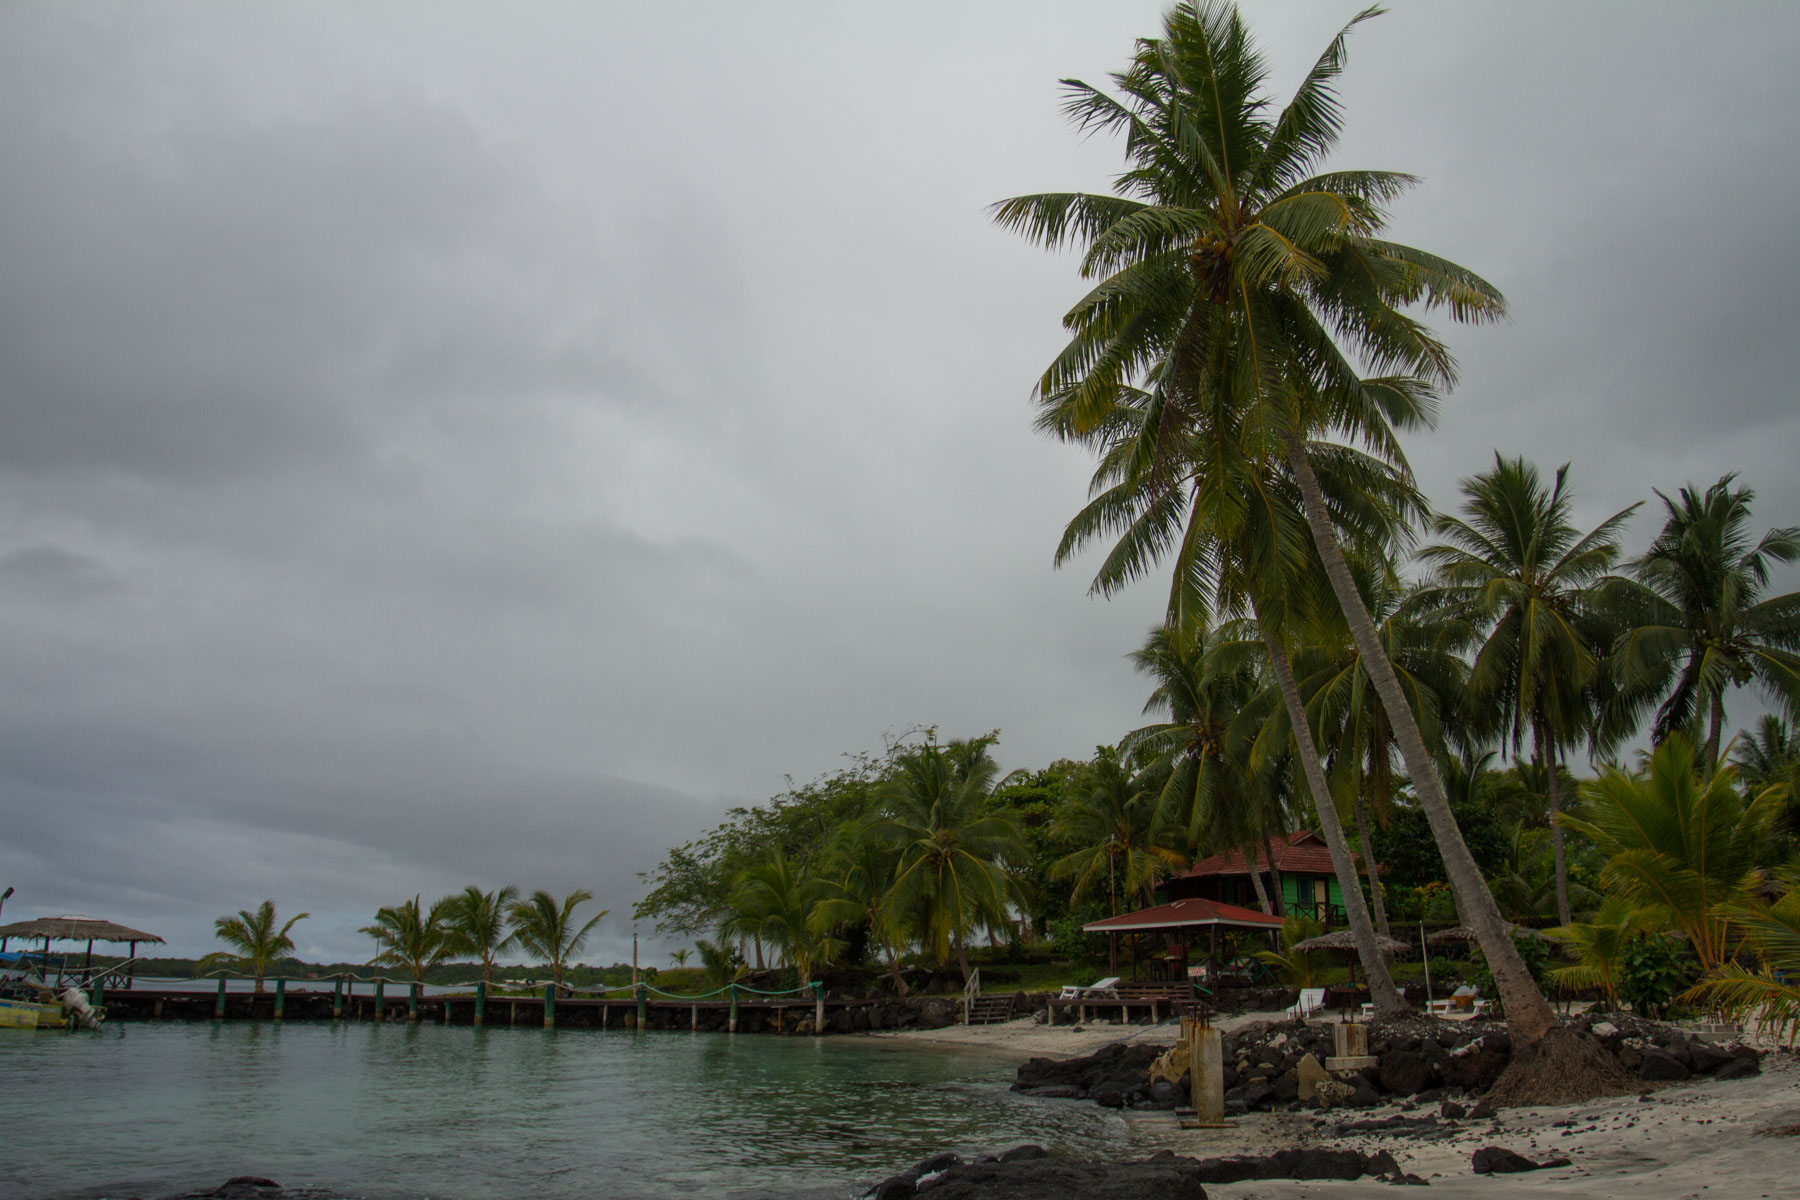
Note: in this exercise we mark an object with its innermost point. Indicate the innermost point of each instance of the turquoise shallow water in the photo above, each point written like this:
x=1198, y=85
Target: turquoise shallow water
x=391, y=1111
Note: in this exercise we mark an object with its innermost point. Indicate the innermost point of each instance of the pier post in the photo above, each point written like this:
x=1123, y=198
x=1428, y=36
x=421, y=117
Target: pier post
x=480, y=1001
x=99, y=986
x=380, y=986
x=694, y=1019
x=412, y=1001
x=549, y=1006
x=733, y=1007
x=643, y=1008
x=1206, y=1073
x=818, y=988
x=280, y=998
x=219, y=1004
x=337, y=997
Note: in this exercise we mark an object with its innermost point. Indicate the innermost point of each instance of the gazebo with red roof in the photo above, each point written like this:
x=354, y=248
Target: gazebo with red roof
x=1308, y=884
x=1177, y=921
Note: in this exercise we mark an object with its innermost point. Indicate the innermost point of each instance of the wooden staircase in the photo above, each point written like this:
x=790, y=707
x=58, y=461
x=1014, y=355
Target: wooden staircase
x=990, y=1010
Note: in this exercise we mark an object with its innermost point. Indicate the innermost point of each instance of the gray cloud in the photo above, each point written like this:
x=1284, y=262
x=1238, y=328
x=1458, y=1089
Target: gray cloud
x=446, y=444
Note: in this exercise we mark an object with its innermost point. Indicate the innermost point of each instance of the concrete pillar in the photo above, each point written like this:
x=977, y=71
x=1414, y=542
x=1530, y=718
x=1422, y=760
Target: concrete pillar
x=280, y=998
x=480, y=1001
x=1351, y=1042
x=1206, y=1073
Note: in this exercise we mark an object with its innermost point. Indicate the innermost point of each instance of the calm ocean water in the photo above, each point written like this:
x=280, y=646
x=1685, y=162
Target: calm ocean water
x=391, y=1112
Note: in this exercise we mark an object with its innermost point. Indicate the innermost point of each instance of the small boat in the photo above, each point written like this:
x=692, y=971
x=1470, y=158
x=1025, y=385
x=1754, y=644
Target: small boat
x=23, y=1014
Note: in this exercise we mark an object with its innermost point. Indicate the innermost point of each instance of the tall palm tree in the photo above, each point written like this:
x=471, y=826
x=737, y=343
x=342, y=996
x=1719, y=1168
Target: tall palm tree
x=1531, y=582
x=545, y=927
x=955, y=855
x=1768, y=757
x=680, y=957
x=1229, y=270
x=1704, y=622
x=254, y=939
x=411, y=937
x=478, y=923
x=776, y=901
x=1122, y=836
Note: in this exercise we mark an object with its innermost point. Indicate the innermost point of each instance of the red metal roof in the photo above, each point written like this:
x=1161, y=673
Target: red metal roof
x=1302, y=852
x=1180, y=914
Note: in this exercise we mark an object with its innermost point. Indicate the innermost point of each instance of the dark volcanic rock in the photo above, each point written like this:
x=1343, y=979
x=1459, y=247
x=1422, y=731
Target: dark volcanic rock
x=1497, y=1160
x=1740, y=1067
x=1406, y=1072
x=1122, y=1068
x=1164, y=1176
x=242, y=1187
x=1660, y=1065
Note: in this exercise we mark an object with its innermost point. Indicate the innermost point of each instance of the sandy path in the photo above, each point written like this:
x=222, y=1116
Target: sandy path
x=1688, y=1141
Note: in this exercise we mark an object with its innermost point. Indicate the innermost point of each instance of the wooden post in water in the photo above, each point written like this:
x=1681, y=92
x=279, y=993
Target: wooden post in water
x=219, y=1004
x=337, y=997
x=733, y=1007
x=412, y=1001
x=280, y=998
x=380, y=1011
x=643, y=1008
x=99, y=984
x=549, y=1006
x=818, y=1007
x=694, y=1019
x=480, y=1001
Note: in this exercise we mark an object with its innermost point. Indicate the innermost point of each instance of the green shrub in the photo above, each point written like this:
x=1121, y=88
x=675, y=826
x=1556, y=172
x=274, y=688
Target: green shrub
x=1655, y=969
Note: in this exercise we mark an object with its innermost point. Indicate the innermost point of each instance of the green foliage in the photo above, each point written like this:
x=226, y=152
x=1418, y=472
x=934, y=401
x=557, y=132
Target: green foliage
x=1408, y=852
x=1301, y=968
x=1653, y=971
x=546, y=927
x=1070, y=943
x=1678, y=847
x=1768, y=993
x=479, y=923
x=1535, y=955
x=410, y=937
x=255, y=940
x=1600, y=947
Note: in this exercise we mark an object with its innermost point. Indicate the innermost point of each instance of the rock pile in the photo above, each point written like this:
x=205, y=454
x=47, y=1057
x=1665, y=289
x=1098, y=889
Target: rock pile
x=1031, y=1173
x=1280, y=1064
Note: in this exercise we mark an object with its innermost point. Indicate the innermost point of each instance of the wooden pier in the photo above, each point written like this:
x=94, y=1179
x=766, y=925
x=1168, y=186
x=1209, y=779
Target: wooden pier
x=321, y=1000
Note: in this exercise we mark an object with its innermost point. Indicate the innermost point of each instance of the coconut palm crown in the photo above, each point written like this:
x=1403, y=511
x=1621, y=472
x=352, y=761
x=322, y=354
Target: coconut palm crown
x=254, y=938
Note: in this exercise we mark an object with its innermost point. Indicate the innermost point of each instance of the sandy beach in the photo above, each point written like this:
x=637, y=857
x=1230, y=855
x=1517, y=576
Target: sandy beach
x=1683, y=1141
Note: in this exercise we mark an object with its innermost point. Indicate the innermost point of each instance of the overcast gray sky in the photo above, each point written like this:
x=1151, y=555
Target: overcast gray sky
x=451, y=443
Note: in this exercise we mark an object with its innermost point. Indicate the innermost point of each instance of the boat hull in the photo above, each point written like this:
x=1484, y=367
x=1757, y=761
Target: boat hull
x=19, y=1014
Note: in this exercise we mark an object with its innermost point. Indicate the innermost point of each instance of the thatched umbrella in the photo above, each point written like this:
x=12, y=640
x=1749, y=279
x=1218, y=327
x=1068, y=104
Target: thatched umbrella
x=1462, y=933
x=75, y=928
x=1344, y=942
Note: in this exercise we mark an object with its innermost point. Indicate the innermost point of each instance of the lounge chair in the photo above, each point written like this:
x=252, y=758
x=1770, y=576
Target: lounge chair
x=1076, y=992
x=1311, y=1001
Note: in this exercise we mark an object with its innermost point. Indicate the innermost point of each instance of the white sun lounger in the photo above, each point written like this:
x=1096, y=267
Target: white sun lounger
x=1311, y=1001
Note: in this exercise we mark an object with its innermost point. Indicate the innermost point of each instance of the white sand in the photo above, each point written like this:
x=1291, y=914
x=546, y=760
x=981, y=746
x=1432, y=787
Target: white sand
x=1687, y=1142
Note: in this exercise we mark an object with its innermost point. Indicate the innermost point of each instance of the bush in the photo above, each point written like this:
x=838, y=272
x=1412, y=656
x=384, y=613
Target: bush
x=1654, y=971
x=1069, y=941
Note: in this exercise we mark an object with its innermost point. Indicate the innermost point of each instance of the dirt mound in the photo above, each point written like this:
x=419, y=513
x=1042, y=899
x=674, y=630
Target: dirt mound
x=1567, y=1067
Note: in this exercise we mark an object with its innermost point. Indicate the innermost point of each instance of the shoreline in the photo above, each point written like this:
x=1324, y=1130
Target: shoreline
x=1682, y=1141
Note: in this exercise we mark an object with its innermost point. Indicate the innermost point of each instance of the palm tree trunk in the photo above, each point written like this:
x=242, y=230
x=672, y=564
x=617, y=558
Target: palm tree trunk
x=1370, y=867
x=1709, y=756
x=1262, y=893
x=1388, y=1001
x=962, y=960
x=1274, y=875
x=900, y=988
x=1528, y=1015
x=1553, y=792
x=757, y=939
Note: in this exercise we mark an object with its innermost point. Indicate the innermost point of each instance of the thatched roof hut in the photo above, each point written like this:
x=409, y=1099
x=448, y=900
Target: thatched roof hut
x=1344, y=942
x=1462, y=933
x=73, y=928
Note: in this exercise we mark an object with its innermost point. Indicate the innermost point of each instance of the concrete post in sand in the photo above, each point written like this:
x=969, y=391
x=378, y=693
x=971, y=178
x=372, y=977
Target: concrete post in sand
x=1206, y=1072
x=1351, y=1043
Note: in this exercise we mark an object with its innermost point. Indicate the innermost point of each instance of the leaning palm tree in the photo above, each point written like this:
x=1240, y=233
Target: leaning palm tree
x=1122, y=836
x=546, y=928
x=1423, y=642
x=1519, y=571
x=410, y=937
x=954, y=855
x=1230, y=268
x=1704, y=621
x=255, y=940
x=478, y=923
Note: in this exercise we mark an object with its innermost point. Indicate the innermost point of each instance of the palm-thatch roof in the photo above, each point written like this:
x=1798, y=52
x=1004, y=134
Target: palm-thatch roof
x=1345, y=941
x=76, y=929
x=1462, y=933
